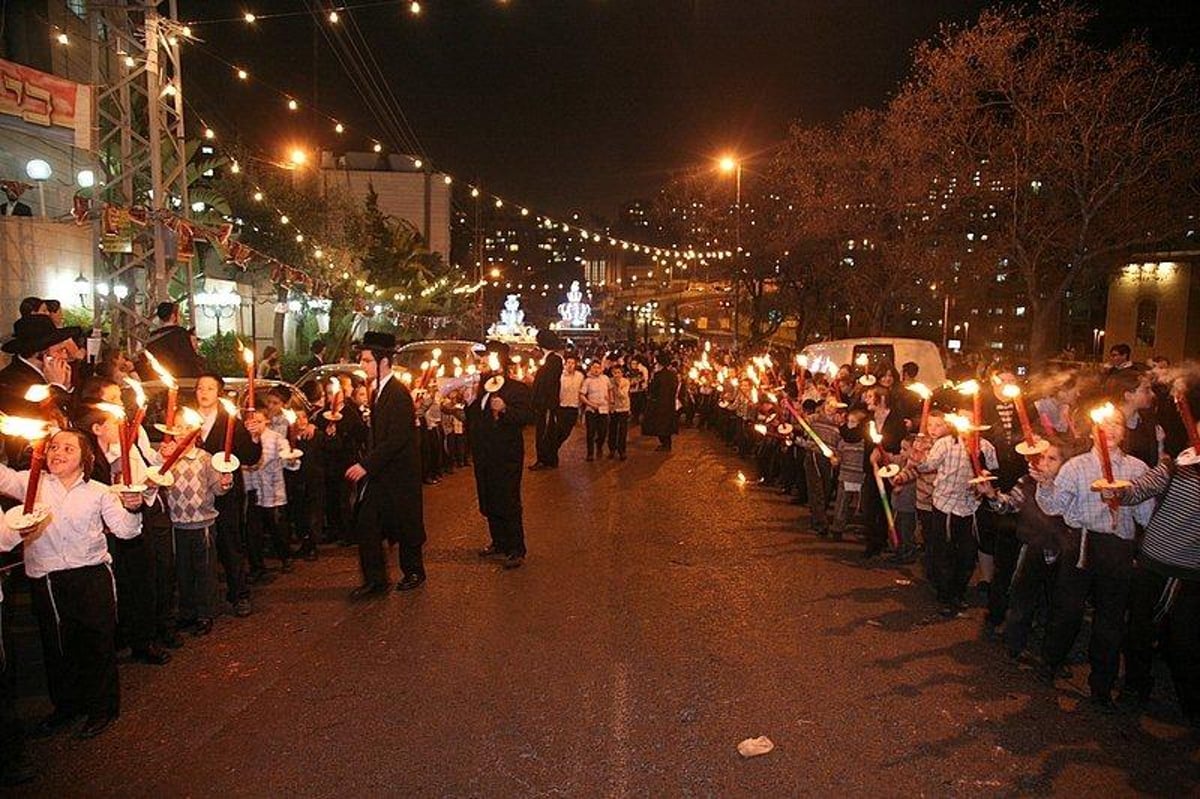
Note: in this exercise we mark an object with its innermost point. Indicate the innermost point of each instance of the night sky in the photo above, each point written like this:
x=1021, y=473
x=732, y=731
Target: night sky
x=582, y=104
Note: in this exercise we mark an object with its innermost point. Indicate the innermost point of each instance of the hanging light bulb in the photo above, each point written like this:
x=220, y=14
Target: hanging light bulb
x=474, y=192
x=62, y=38
x=378, y=147
x=418, y=163
x=293, y=105
x=235, y=167
x=242, y=74
x=283, y=220
x=129, y=62
x=448, y=180
x=258, y=196
x=339, y=128
x=499, y=203
x=299, y=238
x=250, y=18
x=333, y=17
x=209, y=134
x=414, y=8
x=187, y=31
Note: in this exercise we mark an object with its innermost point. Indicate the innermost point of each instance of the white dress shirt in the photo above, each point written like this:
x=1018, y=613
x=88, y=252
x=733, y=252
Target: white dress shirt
x=1071, y=495
x=80, y=513
x=569, y=388
x=595, y=390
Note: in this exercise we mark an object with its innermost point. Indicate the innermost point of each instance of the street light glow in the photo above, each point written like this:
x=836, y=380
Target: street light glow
x=728, y=163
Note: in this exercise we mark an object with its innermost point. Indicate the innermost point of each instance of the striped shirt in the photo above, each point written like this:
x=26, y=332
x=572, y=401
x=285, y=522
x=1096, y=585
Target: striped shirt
x=1171, y=545
x=952, y=491
x=1071, y=495
x=266, y=477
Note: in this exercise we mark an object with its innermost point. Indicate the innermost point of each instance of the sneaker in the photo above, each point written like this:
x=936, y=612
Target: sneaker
x=241, y=608
x=514, y=561
x=203, y=627
x=491, y=553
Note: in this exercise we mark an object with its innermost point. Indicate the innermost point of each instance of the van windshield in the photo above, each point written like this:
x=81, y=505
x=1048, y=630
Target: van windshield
x=869, y=357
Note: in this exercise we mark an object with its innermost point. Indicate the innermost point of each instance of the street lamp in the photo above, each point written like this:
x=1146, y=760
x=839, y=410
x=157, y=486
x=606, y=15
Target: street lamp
x=39, y=172
x=731, y=164
x=82, y=287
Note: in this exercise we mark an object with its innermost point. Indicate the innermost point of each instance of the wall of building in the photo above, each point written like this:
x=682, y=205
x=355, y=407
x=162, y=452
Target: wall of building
x=41, y=259
x=402, y=195
x=1162, y=292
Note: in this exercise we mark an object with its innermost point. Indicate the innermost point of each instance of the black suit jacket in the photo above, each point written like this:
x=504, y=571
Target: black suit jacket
x=172, y=346
x=247, y=450
x=391, y=498
x=547, y=383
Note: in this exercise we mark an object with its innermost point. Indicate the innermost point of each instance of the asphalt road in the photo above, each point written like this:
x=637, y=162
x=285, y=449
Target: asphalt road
x=665, y=613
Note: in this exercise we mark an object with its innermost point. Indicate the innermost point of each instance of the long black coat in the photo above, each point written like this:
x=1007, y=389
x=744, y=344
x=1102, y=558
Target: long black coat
x=498, y=448
x=172, y=346
x=661, y=418
x=15, y=380
x=391, y=498
x=547, y=383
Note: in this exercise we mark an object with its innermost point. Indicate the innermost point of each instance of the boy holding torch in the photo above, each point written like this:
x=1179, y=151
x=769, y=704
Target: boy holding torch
x=1098, y=559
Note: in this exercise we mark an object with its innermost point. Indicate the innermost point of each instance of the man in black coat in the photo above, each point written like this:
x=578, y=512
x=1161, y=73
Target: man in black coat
x=231, y=517
x=545, y=400
x=40, y=357
x=317, y=348
x=661, y=418
x=171, y=344
x=496, y=419
x=388, y=476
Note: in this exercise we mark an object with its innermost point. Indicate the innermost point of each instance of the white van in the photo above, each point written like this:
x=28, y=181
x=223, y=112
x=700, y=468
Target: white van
x=868, y=353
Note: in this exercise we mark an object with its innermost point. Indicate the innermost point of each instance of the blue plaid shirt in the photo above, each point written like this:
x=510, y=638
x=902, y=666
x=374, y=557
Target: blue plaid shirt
x=1071, y=495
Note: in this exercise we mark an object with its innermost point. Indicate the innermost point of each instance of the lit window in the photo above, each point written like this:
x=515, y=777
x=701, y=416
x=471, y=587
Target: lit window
x=1020, y=310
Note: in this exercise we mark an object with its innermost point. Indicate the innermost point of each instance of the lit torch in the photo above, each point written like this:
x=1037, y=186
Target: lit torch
x=1191, y=455
x=880, y=474
x=1101, y=416
x=248, y=359
x=922, y=391
x=161, y=475
x=1031, y=447
x=226, y=462
x=24, y=517
x=126, y=443
x=168, y=380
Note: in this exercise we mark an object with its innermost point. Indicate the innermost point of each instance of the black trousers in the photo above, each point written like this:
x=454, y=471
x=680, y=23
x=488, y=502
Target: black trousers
x=1006, y=547
x=77, y=617
x=267, y=526
x=637, y=405
x=508, y=533
x=596, y=426
x=1031, y=587
x=954, y=552
x=161, y=542
x=546, y=436
x=816, y=479
x=12, y=735
x=372, y=557
x=565, y=419
x=230, y=552
x=1178, y=636
x=338, y=514
x=197, y=576
x=133, y=568
x=618, y=431
x=874, y=520
x=1106, y=577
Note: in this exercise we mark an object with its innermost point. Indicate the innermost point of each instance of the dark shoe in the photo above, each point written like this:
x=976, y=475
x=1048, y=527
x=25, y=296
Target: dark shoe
x=410, y=582
x=537, y=467
x=53, y=724
x=153, y=655
x=203, y=627
x=514, y=561
x=491, y=553
x=871, y=552
x=261, y=577
x=309, y=554
x=367, y=590
x=95, y=725
x=947, y=611
x=285, y=567
x=18, y=771
x=612, y=455
x=622, y=456
x=241, y=608
x=183, y=625
x=170, y=640
x=1102, y=703
x=661, y=448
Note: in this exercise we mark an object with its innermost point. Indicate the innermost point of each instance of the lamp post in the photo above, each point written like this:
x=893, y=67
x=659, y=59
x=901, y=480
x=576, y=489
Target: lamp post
x=39, y=172
x=731, y=164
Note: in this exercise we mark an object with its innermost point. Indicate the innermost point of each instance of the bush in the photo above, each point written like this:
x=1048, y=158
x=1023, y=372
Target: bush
x=222, y=355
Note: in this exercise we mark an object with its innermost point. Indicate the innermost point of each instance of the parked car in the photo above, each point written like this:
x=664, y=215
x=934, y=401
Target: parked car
x=868, y=353
x=322, y=374
x=412, y=355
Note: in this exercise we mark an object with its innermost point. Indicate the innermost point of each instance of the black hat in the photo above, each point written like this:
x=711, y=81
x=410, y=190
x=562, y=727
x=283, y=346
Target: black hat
x=377, y=342
x=37, y=332
x=549, y=340
x=501, y=349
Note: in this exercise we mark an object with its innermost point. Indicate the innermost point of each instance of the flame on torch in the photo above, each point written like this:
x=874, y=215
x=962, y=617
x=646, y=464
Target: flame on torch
x=874, y=433
x=166, y=377
x=960, y=423
x=1010, y=391
x=229, y=407
x=191, y=418
x=921, y=390
x=18, y=426
x=1103, y=413
x=968, y=388
x=39, y=392
x=290, y=415
x=139, y=395
x=493, y=362
x=112, y=409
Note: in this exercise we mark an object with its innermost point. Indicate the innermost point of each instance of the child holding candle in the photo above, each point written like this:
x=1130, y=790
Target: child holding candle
x=1098, y=559
x=1165, y=594
x=954, y=534
x=268, y=491
x=67, y=562
x=192, y=503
